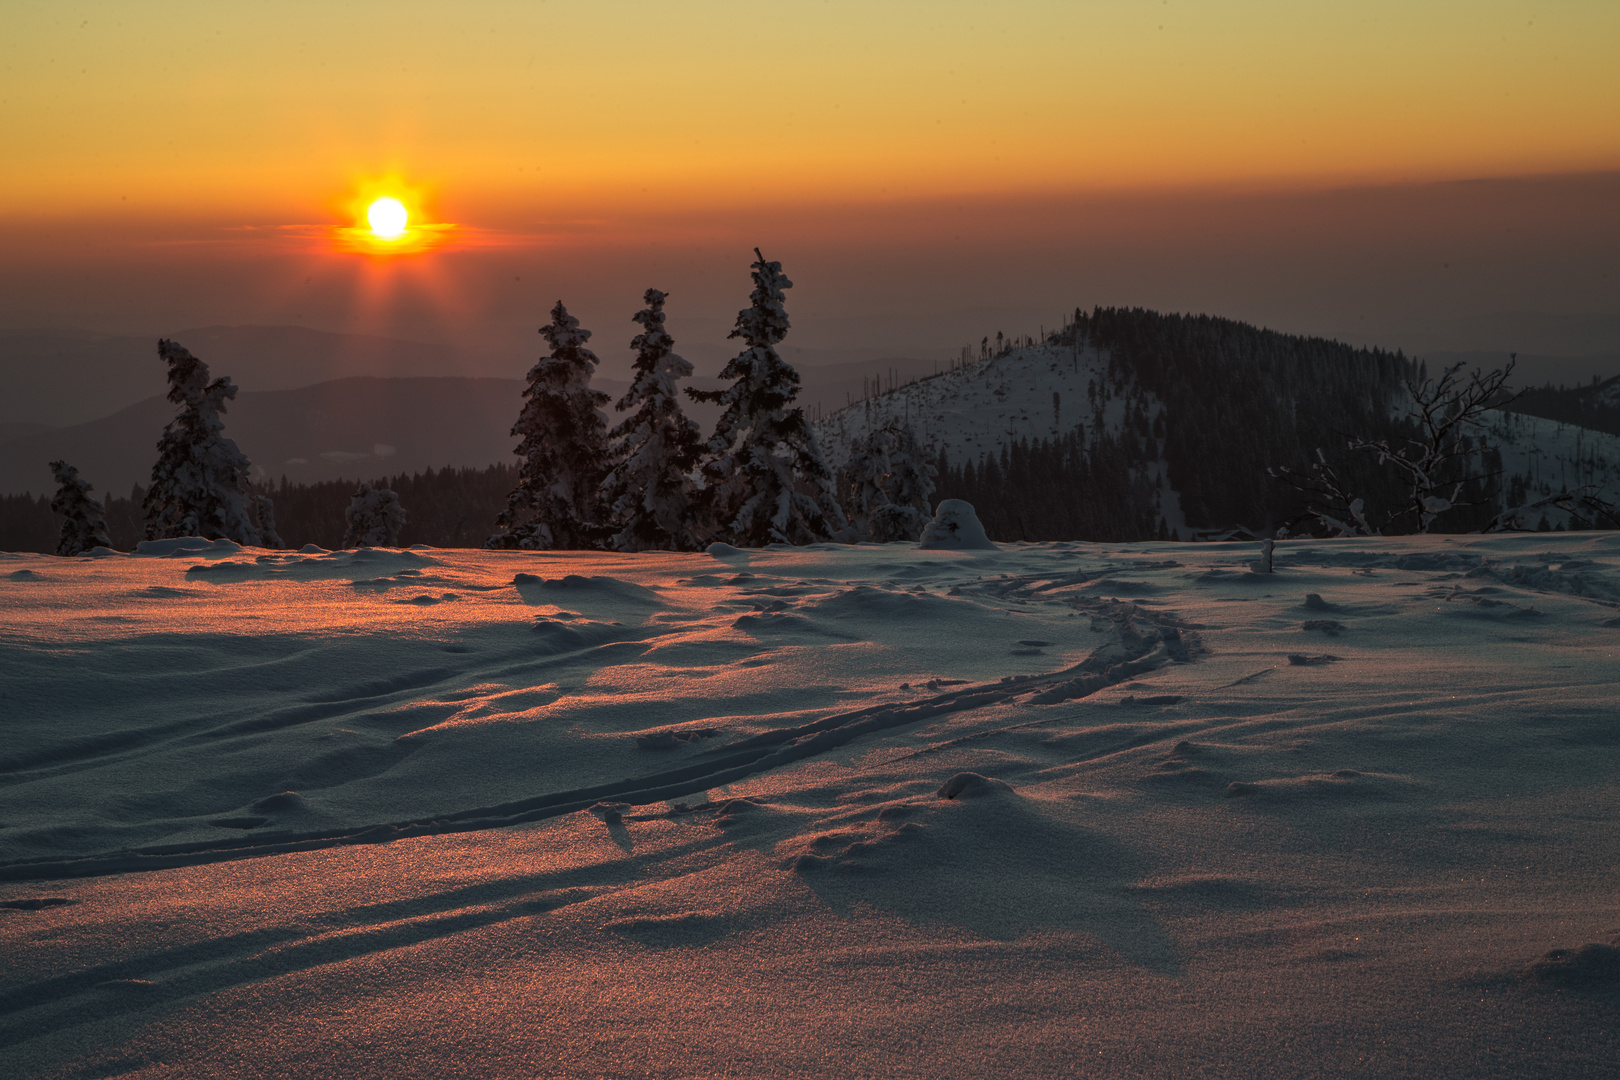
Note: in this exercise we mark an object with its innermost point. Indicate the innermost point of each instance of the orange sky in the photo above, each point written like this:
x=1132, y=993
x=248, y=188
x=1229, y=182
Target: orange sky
x=1415, y=174
x=523, y=113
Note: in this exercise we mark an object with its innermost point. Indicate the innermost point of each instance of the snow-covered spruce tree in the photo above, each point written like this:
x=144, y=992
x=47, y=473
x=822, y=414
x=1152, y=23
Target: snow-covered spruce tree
x=374, y=518
x=766, y=479
x=887, y=485
x=651, y=497
x=909, y=487
x=863, y=480
x=84, y=520
x=557, y=503
x=200, y=482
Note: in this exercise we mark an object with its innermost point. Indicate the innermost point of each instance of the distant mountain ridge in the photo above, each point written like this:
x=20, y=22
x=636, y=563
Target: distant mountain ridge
x=62, y=378
x=73, y=377
x=1595, y=407
x=359, y=427
x=344, y=428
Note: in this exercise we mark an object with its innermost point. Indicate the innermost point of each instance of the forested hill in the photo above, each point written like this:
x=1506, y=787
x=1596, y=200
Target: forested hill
x=1180, y=414
x=1238, y=399
x=1596, y=407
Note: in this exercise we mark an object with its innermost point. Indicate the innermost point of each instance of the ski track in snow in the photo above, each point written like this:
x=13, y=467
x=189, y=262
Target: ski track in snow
x=1139, y=763
x=523, y=679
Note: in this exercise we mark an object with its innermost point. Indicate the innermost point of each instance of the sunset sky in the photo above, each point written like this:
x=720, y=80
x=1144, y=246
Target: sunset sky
x=175, y=164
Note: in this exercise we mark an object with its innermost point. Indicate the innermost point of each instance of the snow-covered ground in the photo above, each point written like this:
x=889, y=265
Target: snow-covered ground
x=1057, y=809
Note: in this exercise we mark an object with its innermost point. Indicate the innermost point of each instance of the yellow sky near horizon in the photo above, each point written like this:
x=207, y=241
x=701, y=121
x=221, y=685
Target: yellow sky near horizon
x=505, y=113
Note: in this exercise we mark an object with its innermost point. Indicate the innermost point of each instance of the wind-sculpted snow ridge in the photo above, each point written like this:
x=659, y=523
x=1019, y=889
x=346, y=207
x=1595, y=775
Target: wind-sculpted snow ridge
x=1137, y=641
x=780, y=811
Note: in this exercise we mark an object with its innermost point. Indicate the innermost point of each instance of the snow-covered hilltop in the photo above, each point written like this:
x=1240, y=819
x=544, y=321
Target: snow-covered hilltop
x=1050, y=392
x=1128, y=424
x=1041, y=391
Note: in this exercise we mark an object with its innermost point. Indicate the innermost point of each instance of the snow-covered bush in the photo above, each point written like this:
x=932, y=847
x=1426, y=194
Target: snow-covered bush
x=650, y=492
x=766, y=479
x=374, y=518
x=84, y=520
x=558, y=499
x=200, y=481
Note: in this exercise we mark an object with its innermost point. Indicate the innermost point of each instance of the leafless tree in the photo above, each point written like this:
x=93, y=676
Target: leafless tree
x=1436, y=462
x=1584, y=505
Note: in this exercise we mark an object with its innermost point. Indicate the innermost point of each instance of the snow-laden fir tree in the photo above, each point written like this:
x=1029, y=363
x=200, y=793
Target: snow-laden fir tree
x=887, y=485
x=558, y=499
x=910, y=488
x=863, y=480
x=84, y=520
x=200, y=482
x=651, y=496
x=374, y=518
x=766, y=479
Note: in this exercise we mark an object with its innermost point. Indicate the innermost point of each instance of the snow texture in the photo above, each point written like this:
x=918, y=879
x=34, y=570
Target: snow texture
x=955, y=526
x=557, y=503
x=374, y=518
x=766, y=481
x=84, y=520
x=200, y=481
x=823, y=811
x=650, y=492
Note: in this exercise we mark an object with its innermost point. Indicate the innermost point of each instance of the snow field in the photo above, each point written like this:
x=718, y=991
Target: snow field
x=1120, y=810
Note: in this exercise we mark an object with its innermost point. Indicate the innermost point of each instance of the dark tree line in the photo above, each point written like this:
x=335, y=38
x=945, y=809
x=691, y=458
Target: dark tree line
x=446, y=508
x=1595, y=406
x=1235, y=399
x=1240, y=399
x=1058, y=489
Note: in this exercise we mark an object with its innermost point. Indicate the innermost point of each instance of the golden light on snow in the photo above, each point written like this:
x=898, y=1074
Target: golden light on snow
x=387, y=217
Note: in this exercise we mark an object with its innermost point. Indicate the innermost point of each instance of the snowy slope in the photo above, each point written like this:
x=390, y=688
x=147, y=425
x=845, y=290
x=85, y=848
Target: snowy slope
x=1125, y=811
x=1047, y=390
x=974, y=409
x=1043, y=391
x=1543, y=457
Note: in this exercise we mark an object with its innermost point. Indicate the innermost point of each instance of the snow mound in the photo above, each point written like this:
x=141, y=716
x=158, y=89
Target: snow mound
x=186, y=545
x=866, y=602
x=955, y=526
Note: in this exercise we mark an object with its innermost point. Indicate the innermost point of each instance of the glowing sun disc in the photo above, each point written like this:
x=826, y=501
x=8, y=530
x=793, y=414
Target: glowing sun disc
x=387, y=218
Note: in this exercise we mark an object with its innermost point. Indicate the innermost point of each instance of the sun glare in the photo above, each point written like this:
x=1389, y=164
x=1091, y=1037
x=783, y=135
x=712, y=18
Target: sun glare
x=391, y=218
x=387, y=217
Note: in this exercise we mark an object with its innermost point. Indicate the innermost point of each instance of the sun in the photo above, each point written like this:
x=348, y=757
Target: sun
x=390, y=218
x=387, y=217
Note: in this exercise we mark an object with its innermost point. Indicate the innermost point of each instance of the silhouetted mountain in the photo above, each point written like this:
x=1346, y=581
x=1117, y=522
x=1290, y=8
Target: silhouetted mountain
x=73, y=377
x=345, y=428
x=357, y=427
x=1595, y=406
